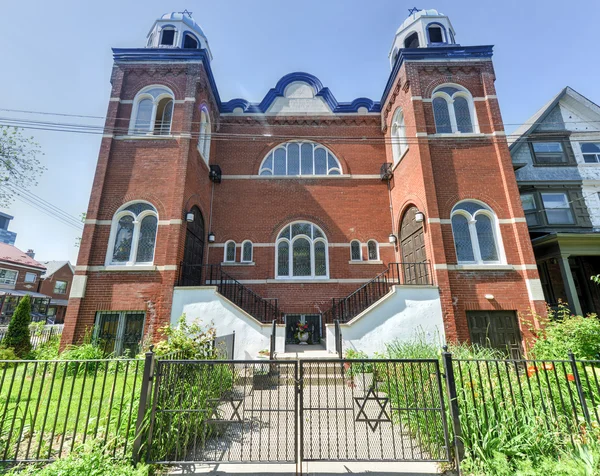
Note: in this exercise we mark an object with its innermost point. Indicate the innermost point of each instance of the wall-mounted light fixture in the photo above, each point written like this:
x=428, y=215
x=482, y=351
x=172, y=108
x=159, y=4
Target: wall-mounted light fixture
x=392, y=238
x=489, y=297
x=189, y=217
x=419, y=217
x=211, y=237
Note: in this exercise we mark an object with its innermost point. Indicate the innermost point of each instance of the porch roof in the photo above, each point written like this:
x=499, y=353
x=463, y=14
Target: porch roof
x=567, y=244
x=14, y=292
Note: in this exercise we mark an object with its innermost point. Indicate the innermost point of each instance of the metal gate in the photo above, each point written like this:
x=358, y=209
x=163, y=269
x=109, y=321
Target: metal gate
x=294, y=411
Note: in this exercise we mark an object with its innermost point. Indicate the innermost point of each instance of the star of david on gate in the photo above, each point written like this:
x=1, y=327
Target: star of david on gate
x=214, y=404
x=383, y=416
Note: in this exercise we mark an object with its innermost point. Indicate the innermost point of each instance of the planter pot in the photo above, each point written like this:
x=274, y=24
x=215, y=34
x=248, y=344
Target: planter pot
x=363, y=382
x=303, y=338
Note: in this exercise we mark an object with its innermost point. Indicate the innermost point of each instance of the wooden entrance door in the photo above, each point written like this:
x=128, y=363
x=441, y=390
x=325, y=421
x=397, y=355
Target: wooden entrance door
x=496, y=329
x=412, y=247
x=191, y=274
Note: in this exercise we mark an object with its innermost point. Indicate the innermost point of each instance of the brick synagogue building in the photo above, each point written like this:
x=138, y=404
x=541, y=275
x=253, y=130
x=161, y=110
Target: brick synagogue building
x=398, y=217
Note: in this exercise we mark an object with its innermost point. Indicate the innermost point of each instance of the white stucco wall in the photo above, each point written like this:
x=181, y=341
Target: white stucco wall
x=408, y=312
x=206, y=305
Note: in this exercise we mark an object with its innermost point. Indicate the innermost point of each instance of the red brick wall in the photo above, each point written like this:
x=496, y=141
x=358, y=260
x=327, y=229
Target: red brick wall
x=21, y=284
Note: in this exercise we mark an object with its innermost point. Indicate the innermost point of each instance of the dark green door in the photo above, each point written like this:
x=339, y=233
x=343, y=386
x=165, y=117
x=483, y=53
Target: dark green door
x=496, y=329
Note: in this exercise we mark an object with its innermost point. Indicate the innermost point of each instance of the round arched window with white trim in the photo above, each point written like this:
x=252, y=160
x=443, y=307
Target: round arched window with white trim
x=301, y=252
x=205, y=134
x=454, y=110
x=476, y=234
x=133, y=235
x=398, y=135
x=152, y=111
x=300, y=158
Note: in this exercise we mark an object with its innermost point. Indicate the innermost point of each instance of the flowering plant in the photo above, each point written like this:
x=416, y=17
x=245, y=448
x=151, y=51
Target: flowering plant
x=300, y=330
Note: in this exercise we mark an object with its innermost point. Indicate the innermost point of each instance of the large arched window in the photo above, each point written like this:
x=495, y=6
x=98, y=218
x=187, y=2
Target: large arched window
x=133, y=235
x=453, y=110
x=399, y=143
x=205, y=134
x=190, y=41
x=301, y=252
x=152, y=112
x=476, y=233
x=300, y=158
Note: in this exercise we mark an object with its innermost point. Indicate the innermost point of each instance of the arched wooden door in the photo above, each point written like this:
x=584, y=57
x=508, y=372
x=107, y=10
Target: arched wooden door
x=412, y=247
x=193, y=254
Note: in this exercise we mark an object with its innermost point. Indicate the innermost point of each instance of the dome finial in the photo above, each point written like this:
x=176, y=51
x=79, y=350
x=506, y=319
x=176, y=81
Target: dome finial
x=413, y=10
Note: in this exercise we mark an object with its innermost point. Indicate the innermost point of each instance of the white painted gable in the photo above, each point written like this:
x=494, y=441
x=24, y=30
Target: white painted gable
x=299, y=99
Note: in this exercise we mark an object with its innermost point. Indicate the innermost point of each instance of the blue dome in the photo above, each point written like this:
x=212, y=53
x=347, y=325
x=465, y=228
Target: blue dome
x=188, y=20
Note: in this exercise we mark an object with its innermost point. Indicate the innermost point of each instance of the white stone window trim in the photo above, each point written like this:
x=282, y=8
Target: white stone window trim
x=376, y=243
x=140, y=96
x=243, y=259
x=225, y=249
x=398, y=136
x=290, y=243
x=472, y=220
x=360, y=253
x=204, y=137
x=137, y=222
x=315, y=146
x=462, y=92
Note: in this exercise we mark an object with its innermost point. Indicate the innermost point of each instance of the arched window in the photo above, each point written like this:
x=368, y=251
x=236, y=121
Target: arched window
x=300, y=158
x=476, y=233
x=301, y=252
x=133, y=235
x=436, y=34
x=453, y=110
x=355, y=251
x=229, y=255
x=399, y=143
x=152, y=112
x=205, y=133
x=412, y=40
x=167, y=36
x=190, y=41
x=373, y=250
x=247, y=251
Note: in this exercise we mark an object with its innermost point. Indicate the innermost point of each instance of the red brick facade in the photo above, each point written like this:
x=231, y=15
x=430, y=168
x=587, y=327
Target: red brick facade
x=434, y=174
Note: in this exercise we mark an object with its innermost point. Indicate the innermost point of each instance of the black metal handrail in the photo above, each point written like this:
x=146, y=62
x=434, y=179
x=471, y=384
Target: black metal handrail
x=345, y=309
x=258, y=307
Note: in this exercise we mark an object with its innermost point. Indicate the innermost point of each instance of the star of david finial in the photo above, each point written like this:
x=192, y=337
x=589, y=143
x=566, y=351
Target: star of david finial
x=185, y=12
x=380, y=402
x=413, y=10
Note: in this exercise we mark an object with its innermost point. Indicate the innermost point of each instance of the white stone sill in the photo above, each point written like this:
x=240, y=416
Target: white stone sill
x=481, y=267
x=129, y=268
x=365, y=262
x=238, y=263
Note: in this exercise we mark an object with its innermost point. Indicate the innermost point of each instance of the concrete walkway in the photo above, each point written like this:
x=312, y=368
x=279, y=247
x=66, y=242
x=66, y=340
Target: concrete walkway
x=314, y=469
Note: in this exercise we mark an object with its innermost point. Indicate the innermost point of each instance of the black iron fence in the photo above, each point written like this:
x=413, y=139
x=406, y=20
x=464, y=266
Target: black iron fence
x=264, y=310
x=38, y=336
x=345, y=309
x=47, y=408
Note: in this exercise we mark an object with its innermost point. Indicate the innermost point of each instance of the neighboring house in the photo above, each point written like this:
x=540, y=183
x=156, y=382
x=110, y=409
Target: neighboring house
x=19, y=276
x=556, y=155
x=397, y=217
x=6, y=236
x=56, y=283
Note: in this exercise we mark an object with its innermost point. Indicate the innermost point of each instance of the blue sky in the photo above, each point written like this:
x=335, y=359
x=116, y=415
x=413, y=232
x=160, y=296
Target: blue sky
x=56, y=57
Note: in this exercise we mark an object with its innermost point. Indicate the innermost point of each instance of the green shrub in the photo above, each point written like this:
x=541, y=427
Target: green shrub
x=189, y=341
x=87, y=351
x=48, y=350
x=84, y=463
x=8, y=353
x=562, y=333
x=18, y=336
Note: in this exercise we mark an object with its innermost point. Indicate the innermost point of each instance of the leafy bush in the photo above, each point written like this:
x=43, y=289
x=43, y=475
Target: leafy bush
x=8, y=353
x=48, y=350
x=88, y=351
x=17, y=335
x=37, y=328
x=84, y=463
x=562, y=333
x=187, y=341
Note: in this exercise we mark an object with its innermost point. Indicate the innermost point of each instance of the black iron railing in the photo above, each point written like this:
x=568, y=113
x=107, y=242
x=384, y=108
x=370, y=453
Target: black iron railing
x=352, y=305
x=262, y=309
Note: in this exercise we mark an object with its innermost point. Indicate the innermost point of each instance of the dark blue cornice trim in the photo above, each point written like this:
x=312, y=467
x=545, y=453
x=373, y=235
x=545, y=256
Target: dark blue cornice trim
x=453, y=52
x=315, y=83
x=132, y=55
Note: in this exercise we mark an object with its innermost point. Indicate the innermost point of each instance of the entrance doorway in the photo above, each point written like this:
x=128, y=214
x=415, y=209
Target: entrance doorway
x=412, y=247
x=314, y=327
x=191, y=273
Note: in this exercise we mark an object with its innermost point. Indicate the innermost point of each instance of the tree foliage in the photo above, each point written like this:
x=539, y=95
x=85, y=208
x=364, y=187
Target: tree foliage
x=19, y=163
x=17, y=336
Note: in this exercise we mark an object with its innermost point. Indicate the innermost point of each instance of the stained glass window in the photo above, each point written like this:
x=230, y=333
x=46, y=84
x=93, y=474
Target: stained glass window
x=301, y=257
x=247, y=252
x=462, y=239
x=230, y=252
x=486, y=238
x=453, y=110
x=355, y=254
x=320, y=259
x=134, y=236
x=152, y=112
x=283, y=259
x=442, y=116
x=308, y=257
x=372, y=249
x=475, y=221
x=144, y=115
x=463, y=115
x=300, y=158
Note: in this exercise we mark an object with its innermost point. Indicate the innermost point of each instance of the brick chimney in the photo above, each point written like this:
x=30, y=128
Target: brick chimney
x=30, y=253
